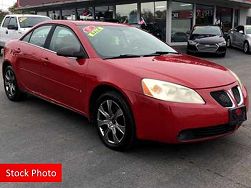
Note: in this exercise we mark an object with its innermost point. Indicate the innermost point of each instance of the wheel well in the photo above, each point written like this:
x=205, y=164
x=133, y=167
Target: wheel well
x=5, y=64
x=99, y=91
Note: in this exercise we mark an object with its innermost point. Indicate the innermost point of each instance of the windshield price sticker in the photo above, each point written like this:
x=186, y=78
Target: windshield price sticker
x=92, y=31
x=30, y=173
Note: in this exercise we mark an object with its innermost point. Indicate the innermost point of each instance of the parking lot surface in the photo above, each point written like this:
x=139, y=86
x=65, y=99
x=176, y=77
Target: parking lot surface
x=34, y=131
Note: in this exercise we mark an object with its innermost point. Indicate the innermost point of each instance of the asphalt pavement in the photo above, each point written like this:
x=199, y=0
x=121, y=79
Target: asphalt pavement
x=35, y=131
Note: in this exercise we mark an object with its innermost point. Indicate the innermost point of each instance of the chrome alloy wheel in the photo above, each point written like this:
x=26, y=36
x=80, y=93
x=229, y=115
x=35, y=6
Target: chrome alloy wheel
x=10, y=83
x=111, y=122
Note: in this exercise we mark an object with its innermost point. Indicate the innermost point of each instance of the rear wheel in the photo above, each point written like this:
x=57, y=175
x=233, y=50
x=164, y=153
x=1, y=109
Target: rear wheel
x=10, y=85
x=246, y=47
x=114, y=121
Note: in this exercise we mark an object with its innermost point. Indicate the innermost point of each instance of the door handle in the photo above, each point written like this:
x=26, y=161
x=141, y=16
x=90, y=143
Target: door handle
x=45, y=60
x=17, y=51
x=6, y=32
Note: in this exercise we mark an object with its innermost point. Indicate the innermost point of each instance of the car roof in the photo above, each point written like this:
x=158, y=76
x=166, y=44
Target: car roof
x=27, y=15
x=85, y=23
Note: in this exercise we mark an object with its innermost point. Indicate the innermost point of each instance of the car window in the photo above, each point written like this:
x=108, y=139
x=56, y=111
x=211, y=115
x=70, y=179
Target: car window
x=207, y=30
x=248, y=30
x=239, y=28
x=112, y=41
x=26, y=22
x=39, y=35
x=6, y=22
x=13, y=21
x=27, y=38
x=64, y=38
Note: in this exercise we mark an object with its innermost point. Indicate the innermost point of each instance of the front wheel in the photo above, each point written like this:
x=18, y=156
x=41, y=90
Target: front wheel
x=114, y=121
x=246, y=48
x=229, y=45
x=10, y=85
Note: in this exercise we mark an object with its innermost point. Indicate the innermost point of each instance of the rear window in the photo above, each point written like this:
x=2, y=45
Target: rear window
x=26, y=22
x=207, y=30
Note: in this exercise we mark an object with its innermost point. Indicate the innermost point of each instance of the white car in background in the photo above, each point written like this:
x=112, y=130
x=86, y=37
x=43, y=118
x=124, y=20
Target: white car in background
x=15, y=26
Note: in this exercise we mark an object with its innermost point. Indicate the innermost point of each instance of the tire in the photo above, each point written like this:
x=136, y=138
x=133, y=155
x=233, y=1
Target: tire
x=222, y=55
x=246, y=47
x=11, y=88
x=229, y=44
x=115, y=125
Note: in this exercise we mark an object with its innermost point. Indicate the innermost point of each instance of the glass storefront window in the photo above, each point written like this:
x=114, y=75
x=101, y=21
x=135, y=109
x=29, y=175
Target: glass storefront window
x=236, y=17
x=69, y=14
x=160, y=18
x=153, y=18
x=224, y=18
x=127, y=13
x=204, y=15
x=42, y=13
x=147, y=12
x=55, y=14
x=182, y=19
x=104, y=13
x=85, y=14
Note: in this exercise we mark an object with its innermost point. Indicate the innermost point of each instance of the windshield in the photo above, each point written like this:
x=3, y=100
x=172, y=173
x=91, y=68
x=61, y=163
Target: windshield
x=248, y=30
x=121, y=41
x=26, y=22
x=207, y=30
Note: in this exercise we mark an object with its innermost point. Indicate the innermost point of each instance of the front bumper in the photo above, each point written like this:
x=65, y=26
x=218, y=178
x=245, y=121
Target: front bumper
x=165, y=121
x=200, y=48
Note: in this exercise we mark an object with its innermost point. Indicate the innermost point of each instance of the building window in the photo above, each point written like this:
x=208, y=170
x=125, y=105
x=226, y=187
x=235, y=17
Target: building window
x=153, y=18
x=182, y=19
x=236, y=17
x=69, y=14
x=204, y=15
x=42, y=13
x=85, y=14
x=55, y=14
x=104, y=13
x=224, y=17
x=248, y=20
x=127, y=13
x=147, y=12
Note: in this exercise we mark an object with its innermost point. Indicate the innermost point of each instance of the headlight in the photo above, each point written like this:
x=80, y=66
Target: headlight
x=237, y=78
x=170, y=92
x=222, y=43
x=191, y=42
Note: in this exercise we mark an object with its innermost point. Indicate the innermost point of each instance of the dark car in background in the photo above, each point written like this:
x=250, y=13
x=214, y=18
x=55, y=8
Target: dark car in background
x=206, y=39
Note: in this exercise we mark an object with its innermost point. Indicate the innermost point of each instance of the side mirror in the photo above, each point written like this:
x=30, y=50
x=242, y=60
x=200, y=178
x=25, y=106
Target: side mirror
x=71, y=52
x=12, y=27
x=241, y=32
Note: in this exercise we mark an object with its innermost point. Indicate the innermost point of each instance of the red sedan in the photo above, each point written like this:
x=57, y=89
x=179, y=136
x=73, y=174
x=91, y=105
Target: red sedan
x=127, y=82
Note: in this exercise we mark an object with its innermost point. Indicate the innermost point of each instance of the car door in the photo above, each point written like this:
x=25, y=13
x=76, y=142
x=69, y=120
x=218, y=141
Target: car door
x=64, y=77
x=28, y=54
x=240, y=37
x=4, y=31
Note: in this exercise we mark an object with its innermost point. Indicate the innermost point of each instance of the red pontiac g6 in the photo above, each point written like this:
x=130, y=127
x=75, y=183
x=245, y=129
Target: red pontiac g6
x=127, y=82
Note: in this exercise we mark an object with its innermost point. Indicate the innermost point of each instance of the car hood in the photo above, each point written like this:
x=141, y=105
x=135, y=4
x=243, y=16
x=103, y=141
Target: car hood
x=209, y=40
x=180, y=69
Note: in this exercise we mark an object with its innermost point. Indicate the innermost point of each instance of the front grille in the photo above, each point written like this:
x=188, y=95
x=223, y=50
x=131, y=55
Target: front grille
x=191, y=134
x=236, y=94
x=207, y=48
x=222, y=98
